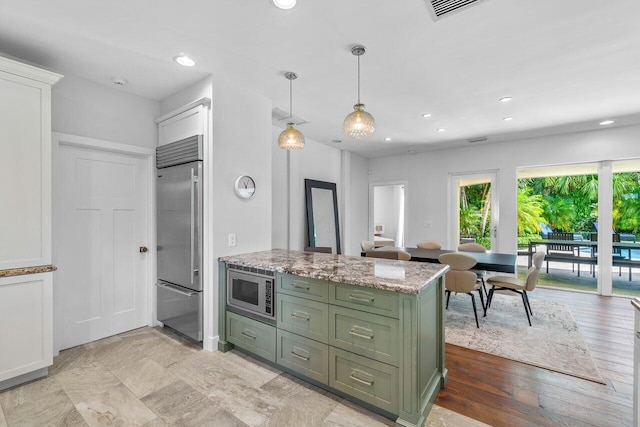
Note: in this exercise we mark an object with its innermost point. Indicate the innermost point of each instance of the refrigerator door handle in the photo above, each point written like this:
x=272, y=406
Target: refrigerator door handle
x=193, y=220
x=177, y=290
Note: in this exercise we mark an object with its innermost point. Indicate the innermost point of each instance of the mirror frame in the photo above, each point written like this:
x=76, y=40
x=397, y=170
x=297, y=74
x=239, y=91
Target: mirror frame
x=309, y=184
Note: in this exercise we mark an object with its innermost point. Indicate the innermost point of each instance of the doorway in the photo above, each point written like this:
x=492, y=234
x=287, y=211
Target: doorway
x=387, y=218
x=102, y=205
x=473, y=209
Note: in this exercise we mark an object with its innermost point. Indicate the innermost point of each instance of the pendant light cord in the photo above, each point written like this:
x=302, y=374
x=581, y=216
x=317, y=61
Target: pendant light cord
x=358, y=79
x=290, y=98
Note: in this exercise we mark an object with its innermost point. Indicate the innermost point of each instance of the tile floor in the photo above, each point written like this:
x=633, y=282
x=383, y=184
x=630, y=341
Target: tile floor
x=152, y=377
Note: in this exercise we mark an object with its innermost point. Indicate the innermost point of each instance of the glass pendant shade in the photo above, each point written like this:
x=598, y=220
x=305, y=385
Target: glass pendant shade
x=291, y=138
x=359, y=123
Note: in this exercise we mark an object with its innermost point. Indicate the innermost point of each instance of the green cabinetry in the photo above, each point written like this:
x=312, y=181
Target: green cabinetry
x=383, y=349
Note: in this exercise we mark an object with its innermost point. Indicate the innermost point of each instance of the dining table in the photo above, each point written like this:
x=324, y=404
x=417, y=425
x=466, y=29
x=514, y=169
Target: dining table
x=490, y=261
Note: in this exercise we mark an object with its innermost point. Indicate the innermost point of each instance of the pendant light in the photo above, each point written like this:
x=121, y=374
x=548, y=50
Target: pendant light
x=359, y=123
x=291, y=138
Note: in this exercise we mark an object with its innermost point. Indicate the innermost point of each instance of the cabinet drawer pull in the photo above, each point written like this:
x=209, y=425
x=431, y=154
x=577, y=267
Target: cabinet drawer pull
x=359, y=335
x=253, y=337
x=295, y=285
x=356, y=379
x=299, y=317
x=357, y=298
x=299, y=356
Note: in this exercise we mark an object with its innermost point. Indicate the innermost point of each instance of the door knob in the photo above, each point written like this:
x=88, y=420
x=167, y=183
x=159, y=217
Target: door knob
x=143, y=249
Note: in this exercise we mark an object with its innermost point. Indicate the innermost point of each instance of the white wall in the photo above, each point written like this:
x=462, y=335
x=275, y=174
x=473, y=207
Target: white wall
x=315, y=161
x=427, y=174
x=386, y=210
x=359, y=227
x=84, y=108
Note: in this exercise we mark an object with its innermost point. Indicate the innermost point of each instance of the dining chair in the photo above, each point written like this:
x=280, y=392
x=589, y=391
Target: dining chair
x=390, y=254
x=460, y=278
x=366, y=245
x=429, y=244
x=513, y=284
x=476, y=247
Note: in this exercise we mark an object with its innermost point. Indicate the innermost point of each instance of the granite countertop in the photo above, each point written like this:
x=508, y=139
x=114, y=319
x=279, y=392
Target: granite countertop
x=27, y=270
x=390, y=275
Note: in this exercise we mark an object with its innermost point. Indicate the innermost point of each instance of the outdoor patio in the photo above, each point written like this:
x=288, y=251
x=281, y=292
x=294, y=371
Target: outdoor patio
x=561, y=276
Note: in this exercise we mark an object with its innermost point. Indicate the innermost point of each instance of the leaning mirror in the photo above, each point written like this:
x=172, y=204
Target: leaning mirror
x=322, y=215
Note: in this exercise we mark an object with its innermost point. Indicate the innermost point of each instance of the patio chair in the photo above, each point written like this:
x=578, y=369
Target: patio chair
x=513, y=284
x=460, y=279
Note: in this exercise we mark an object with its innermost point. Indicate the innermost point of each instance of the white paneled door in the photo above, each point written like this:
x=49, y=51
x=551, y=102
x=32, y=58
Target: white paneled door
x=102, y=204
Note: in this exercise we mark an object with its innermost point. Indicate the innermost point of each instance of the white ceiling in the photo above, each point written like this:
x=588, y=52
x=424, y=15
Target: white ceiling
x=567, y=64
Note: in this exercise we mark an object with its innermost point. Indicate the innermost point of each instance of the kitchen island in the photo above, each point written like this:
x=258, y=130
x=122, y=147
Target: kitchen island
x=370, y=330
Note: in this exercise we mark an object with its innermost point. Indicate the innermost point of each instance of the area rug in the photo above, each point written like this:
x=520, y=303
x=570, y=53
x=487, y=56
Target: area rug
x=553, y=342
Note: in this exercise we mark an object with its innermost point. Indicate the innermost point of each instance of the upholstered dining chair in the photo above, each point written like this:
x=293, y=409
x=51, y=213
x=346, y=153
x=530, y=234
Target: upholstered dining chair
x=476, y=247
x=461, y=279
x=429, y=244
x=390, y=254
x=366, y=245
x=513, y=284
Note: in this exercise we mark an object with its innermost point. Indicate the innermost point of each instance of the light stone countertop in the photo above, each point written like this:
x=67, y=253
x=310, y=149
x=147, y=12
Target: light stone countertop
x=398, y=276
x=27, y=270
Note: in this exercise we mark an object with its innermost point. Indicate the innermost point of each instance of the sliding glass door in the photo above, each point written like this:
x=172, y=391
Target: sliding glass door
x=592, y=211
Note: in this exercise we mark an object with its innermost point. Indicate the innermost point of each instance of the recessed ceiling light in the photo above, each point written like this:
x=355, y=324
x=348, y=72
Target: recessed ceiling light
x=607, y=122
x=336, y=141
x=426, y=115
x=387, y=139
x=184, y=60
x=284, y=4
x=441, y=130
x=506, y=99
x=508, y=119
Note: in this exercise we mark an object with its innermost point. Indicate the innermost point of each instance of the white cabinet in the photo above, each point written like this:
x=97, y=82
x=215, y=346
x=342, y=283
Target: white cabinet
x=26, y=302
x=25, y=164
x=26, y=331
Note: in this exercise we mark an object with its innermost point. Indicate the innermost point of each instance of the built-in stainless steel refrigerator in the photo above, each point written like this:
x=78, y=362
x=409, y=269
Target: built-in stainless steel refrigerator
x=179, y=201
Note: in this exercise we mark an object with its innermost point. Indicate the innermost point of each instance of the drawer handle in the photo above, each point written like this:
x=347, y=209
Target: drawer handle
x=361, y=298
x=253, y=337
x=356, y=379
x=297, y=316
x=295, y=285
x=299, y=356
x=359, y=335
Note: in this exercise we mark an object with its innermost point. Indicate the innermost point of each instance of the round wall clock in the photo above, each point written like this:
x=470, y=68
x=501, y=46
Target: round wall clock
x=245, y=187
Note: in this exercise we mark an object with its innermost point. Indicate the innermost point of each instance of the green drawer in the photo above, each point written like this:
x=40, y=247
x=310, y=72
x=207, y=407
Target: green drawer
x=305, y=356
x=251, y=335
x=370, y=381
x=370, y=335
x=315, y=289
x=367, y=299
x=303, y=317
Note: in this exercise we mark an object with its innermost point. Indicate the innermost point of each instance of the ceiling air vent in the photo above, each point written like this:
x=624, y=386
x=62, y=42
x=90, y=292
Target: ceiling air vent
x=281, y=118
x=479, y=139
x=441, y=8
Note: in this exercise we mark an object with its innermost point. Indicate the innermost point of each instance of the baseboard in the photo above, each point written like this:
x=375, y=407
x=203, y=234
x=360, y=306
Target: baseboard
x=211, y=343
x=21, y=379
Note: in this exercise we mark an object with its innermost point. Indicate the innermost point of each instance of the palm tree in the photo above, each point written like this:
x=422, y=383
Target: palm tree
x=530, y=211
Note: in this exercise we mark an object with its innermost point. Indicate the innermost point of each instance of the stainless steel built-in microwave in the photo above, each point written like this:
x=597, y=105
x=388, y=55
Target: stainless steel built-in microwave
x=251, y=292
